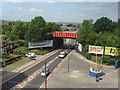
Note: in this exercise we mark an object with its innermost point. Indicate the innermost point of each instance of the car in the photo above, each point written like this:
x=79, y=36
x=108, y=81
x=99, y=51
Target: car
x=62, y=54
x=43, y=74
x=30, y=55
x=66, y=51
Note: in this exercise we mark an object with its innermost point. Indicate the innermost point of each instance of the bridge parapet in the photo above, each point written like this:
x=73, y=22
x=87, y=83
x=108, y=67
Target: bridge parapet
x=65, y=34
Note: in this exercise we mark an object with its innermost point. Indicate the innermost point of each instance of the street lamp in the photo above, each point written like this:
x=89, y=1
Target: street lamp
x=68, y=64
x=45, y=77
x=69, y=55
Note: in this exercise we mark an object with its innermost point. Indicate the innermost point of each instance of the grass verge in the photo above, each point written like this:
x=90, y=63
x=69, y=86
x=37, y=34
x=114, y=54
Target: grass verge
x=16, y=64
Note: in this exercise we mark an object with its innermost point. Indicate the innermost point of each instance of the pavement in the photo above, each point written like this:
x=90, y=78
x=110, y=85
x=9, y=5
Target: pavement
x=6, y=74
x=78, y=75
x=38, y=81
x=37, y=58
x=18, y=78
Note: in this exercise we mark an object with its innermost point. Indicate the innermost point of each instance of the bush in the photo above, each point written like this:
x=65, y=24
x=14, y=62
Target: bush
x=108, y=60
x=10, y=57
x=5, y=56
x=85, y=48
x=16, y=46
x=39, y=52
x=12, y=37
x=20, y=42
x=88, y=55
x=9, y=60
x=25, y=43
x=21, y=50
x=111, y=62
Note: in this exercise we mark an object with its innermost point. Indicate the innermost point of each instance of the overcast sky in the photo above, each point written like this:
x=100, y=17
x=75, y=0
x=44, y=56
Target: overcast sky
x=59, y=11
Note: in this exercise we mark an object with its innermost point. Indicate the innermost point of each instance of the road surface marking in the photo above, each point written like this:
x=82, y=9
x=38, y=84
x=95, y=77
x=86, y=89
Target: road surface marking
x=26, y=68
x=55, y=70
x=73, y=76
x=33, y=75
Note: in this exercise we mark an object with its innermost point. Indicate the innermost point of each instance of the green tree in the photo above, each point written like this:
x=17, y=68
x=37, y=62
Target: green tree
x=117, y=33
x=19, y=29
x=7, y=28
x=52, y=27
x=106, y=39
x=36, y=30
x=103, y=24
x=86, y=35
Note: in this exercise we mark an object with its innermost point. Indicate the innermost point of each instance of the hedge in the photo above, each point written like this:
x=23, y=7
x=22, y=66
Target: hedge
x=9, y=60
x=39, y=52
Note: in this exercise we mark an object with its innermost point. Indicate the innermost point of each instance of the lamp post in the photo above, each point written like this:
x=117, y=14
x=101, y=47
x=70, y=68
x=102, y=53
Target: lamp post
x=68, y=64
x=68, y=56
x=45, y=77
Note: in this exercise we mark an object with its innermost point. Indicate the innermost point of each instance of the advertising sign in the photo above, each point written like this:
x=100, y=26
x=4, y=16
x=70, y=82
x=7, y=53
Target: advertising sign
x=96, y=49
x=40, y=44
x=113, y=51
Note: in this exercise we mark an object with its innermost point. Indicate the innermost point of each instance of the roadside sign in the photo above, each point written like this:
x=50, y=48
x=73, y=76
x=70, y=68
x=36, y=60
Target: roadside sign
x=113, y=51
x=96, y=49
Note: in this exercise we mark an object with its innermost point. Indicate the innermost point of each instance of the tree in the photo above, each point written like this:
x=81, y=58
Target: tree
x=19, y=29
x=52, y=27
x=106, y=39
x=103, y=24
x=117, y=33
x=7, y=28
x=36, y=30
x=86, y=35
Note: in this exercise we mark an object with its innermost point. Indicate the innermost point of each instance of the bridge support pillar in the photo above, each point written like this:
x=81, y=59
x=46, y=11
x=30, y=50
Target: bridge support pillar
x=57, y=42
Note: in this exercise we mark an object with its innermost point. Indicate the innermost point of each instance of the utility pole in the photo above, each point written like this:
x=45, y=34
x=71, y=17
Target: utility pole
x=45, y=77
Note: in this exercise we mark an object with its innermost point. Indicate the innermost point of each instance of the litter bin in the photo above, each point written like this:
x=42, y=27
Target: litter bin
x=116, y=64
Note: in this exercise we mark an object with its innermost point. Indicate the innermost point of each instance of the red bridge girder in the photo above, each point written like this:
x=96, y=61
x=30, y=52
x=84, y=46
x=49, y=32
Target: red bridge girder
x=73, y=35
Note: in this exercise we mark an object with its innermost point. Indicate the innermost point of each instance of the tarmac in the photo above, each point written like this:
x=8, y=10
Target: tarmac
x=74, y=73
x=37, y=58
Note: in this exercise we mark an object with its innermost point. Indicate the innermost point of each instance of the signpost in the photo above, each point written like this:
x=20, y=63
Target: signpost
x=96, y=49
x=113, y=51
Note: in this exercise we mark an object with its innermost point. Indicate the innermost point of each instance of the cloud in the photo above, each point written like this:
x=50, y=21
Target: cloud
x=32, y=9
x=51, y=2
x=36, y=10
x=19, y=8
x=13, y=0
x=59, y=13
x=81, y=15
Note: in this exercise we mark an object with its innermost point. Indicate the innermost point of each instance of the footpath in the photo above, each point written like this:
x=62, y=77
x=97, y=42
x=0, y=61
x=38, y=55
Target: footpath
x=37, y=58
x=74, y=73
x=6, y=74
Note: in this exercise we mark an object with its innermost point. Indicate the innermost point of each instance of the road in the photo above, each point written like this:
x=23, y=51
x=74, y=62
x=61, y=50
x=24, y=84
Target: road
x=20, y=77
x=78, y=75
x=39, y=80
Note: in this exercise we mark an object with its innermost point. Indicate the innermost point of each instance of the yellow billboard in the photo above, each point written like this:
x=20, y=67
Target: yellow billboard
x=113, y=51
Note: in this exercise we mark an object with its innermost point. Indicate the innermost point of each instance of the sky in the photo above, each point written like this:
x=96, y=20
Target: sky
x=52, y=11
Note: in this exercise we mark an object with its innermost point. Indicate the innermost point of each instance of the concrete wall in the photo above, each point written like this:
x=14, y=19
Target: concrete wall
x=57, y=42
